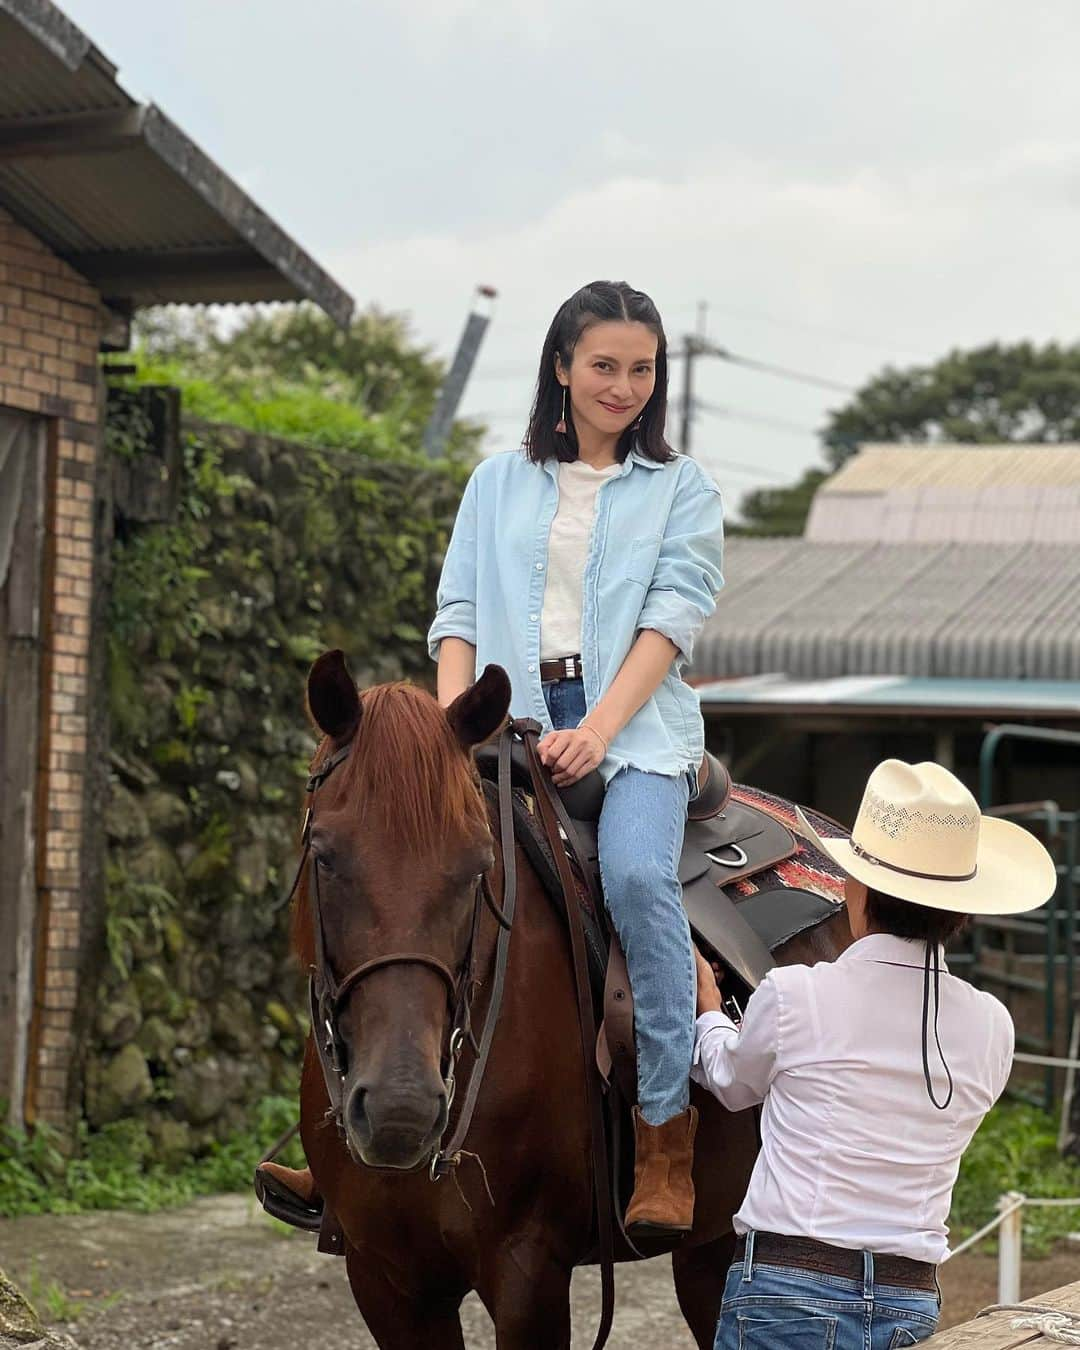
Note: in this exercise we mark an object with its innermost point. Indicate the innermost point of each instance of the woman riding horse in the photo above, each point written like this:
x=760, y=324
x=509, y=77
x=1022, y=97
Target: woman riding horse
x=585, y=566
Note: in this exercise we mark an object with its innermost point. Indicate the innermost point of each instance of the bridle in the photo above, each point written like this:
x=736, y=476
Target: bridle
x=327, y=994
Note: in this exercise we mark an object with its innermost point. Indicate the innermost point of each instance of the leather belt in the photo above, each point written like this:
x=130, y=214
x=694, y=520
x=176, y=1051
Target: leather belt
x=565, y=668
x=776, y=1249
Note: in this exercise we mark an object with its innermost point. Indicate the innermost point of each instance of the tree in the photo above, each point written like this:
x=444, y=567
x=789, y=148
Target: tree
x=991, y=394
x=374, y=366
x=771, y=511
x=1018, y=393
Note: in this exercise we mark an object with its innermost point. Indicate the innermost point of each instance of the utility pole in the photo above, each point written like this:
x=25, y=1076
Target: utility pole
x=437, y=431
x=694, y=345
x=687, y=393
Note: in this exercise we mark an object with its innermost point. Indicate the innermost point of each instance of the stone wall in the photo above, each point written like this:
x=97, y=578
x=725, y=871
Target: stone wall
x=279, y=552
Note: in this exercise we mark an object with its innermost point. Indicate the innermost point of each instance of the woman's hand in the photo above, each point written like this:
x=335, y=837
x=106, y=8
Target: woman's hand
x=709, y=998
x=570, y=755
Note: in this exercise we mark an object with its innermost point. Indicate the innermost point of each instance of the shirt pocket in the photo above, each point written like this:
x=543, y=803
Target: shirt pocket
x=641, y=563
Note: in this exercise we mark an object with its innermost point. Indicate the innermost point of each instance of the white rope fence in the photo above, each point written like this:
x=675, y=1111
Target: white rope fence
x=1009, y=1219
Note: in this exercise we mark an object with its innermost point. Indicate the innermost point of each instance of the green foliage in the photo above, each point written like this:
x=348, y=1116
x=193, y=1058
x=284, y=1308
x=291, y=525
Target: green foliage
x=292, y=372
x=778, y=511
x=51, y=1295
x=132, y=909
x=115, y=1167
x=128, y=426
x=1015, y=1149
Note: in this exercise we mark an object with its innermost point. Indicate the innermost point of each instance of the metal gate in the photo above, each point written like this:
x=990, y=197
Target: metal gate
x=1030, y=960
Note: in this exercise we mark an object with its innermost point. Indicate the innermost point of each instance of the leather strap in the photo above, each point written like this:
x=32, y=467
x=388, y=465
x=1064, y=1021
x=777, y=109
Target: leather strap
x=565, y=668
x=805, y=1253
x=447, y=1157
x=549, y=807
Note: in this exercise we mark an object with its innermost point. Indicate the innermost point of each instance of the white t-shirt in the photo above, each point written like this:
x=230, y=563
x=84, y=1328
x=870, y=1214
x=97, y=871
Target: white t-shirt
x=853, y=1152
x=568, y=550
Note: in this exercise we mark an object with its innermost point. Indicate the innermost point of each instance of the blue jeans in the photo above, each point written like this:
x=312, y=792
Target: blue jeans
x=779, y=1308
x=640, y=840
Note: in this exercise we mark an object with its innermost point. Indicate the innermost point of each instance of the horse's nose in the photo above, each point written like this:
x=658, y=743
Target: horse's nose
x=394, y=1130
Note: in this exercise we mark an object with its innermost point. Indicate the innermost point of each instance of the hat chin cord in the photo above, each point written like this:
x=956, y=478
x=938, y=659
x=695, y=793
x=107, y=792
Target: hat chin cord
x=932, y=949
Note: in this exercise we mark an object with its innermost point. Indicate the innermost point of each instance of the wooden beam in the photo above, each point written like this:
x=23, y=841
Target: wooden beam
x=71, y=134
x=995, y=1332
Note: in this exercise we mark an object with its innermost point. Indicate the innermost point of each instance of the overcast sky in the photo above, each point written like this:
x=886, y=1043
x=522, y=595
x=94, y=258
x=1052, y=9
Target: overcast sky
x=847, y=183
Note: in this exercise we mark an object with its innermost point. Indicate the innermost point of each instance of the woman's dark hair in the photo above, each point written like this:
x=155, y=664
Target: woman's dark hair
x=886, y=914
x=599, y=302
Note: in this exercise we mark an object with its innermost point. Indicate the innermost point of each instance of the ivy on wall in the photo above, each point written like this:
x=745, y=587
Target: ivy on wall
x=277, y=552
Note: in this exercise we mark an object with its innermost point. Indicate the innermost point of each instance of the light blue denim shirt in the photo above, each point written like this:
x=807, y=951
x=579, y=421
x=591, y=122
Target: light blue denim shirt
x=654, y=562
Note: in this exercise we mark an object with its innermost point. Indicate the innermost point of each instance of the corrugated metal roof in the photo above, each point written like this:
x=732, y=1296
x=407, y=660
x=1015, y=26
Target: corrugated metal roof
x=1051, y=698
x=120, y=192
x=1001, y=493
x=879, y=468
x=813, y=610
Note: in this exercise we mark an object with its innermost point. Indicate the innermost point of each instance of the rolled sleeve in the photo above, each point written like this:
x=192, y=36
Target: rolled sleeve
x=455, y=612
x=688, y=575
x=737, y=1064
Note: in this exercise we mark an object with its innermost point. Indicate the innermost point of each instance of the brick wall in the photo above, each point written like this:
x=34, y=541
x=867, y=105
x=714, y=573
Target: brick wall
x=50, y=328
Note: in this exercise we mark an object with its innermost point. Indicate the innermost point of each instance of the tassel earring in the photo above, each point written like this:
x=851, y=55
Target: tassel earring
x=560, y=425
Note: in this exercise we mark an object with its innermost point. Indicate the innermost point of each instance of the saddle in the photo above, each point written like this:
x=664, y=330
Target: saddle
x=726, y=841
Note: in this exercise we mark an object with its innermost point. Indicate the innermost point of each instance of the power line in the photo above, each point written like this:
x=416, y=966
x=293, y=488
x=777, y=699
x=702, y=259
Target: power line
x=743, y=415
x=694, y=346
x=753, y=471
x=800, y=376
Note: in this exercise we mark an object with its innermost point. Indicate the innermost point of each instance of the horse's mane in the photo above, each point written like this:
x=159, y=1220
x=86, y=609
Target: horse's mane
x=406, y=777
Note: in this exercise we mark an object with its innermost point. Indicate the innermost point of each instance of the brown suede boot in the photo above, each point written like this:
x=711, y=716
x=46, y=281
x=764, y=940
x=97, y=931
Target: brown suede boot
x=289, y=1195
x=663, y=1199
x=300, y=1182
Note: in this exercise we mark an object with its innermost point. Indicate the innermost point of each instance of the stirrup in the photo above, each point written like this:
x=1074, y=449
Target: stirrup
x=285, y=1205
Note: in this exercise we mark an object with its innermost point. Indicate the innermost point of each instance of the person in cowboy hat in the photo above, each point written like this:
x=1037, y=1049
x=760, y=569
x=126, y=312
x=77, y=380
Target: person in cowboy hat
x=874, y=1071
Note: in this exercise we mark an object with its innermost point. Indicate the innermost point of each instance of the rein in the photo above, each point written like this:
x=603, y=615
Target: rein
x=327, y=994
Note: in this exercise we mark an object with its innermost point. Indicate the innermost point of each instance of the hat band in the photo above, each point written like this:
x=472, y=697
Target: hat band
x=906, y=871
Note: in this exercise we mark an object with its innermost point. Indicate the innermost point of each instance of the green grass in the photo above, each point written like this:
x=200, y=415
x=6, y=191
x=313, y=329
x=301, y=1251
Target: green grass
x=114, y=1168
x=1015, y=1149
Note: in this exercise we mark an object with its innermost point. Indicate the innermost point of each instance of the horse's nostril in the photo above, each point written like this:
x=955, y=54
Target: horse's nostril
x=355, y=1110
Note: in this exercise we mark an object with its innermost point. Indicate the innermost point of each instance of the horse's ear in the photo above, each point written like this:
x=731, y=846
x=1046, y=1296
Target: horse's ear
x=482, y=708
x=332, y=696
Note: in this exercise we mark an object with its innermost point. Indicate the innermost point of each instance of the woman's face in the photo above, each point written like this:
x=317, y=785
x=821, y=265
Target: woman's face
x=612, y=376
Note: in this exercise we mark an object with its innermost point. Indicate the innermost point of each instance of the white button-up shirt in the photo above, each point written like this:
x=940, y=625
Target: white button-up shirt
x=853, y=1152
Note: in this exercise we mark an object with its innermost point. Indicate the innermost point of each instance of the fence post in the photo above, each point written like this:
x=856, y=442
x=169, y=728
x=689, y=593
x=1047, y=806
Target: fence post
x=1010, y=1235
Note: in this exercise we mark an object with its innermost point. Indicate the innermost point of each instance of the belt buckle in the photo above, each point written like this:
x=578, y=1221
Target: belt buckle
x=568, y=666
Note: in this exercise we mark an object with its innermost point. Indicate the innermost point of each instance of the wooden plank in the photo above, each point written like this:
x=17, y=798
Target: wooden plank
x=20, y=677
x=996, y=1331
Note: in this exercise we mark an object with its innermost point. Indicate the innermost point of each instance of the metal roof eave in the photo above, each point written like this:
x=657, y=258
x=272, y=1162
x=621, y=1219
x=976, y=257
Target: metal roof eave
x=245, y=257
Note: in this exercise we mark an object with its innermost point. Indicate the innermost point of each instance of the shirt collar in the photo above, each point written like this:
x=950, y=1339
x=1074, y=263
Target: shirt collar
x=891, y=950
x=643, y=460
x=634, y=457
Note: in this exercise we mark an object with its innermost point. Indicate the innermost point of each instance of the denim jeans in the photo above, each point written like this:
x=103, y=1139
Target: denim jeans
x=779, y=1308
x=640, y=840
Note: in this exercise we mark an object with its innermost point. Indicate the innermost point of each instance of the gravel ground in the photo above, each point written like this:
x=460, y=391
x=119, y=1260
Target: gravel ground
x=218, y=1275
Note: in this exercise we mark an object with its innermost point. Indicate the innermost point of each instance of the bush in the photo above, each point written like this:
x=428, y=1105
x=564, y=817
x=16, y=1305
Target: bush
x=114, y=1169
x=1015, y=1149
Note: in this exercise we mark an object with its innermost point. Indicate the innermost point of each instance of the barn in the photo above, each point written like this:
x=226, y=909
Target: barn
x=105, y=206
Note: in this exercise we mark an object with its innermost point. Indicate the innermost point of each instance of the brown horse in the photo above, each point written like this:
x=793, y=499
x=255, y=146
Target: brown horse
x=401, y=835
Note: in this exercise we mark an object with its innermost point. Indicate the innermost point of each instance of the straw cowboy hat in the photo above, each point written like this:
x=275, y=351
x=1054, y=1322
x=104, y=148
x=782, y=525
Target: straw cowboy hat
x=919, y=837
